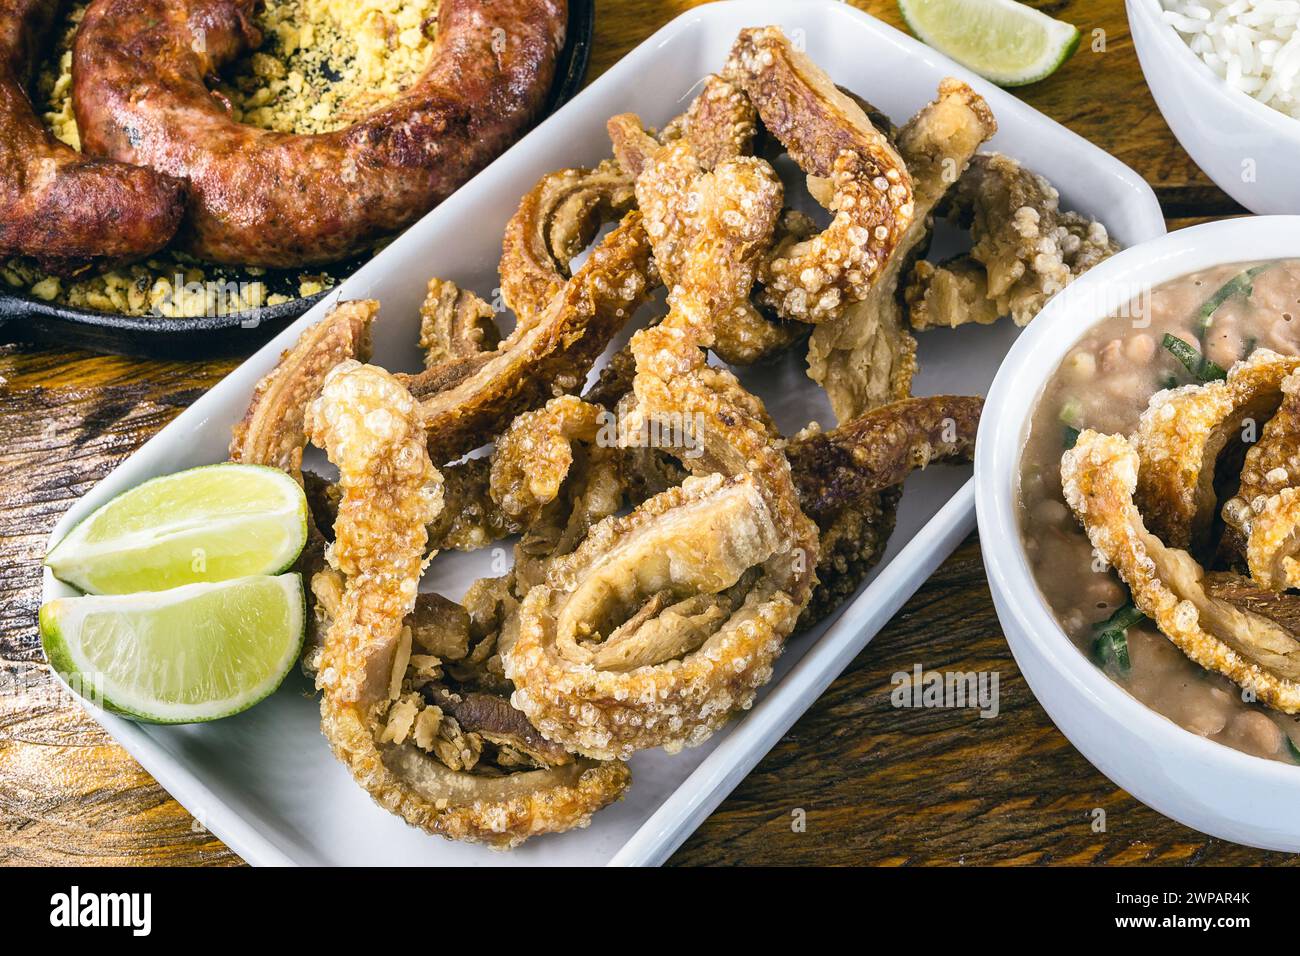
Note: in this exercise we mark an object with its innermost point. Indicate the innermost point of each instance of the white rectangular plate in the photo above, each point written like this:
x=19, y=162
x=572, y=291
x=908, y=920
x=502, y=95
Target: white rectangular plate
x=265, y=783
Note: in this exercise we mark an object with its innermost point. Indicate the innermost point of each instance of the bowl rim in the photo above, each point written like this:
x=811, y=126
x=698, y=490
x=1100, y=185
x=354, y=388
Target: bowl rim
x=1032, y=359
x=1174, y=45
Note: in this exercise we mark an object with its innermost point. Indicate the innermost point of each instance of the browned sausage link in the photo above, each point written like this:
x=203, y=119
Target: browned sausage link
x=274, y=199
x=67, y=211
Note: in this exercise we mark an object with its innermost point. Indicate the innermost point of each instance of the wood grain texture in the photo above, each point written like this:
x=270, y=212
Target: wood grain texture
x=875, y=784
x=68, y=794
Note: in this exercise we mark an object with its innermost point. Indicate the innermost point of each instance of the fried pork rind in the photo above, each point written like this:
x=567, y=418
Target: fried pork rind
x=272, y=431
x=1273, y=462
x=729, y=430
x=830, y=137
x=494, y=720
x=471, y=519
x=452, y=701
x=662, y=623
x=1282, y=608
x=1272, y=466
x=434, y=623
x=848, y=481
x=727, y=214
x=720, y=124
x=717, y=129
x=533, y=457
x=634, y=146
x=881, y=448
x=614, y=380
x=557, y=219
x=554, y=473
x=371, y=428
x=1027, y=247
x=1273, y=541
x=865, y=357
x=649, y=634
x=696, y=654
x=748, y=333
x=1099, y=476
x=454, y=324
x=955, y=293
x=550, y=357
x=1182, y=434
x=535, y=482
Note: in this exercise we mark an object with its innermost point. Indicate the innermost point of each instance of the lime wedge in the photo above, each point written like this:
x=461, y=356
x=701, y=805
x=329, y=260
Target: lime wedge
x=193, y=653
x=207, y=524
x=1001, y=40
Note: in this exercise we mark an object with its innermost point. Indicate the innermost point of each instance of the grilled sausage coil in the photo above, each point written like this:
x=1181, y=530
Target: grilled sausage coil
x=263, y=198
x=67, y=211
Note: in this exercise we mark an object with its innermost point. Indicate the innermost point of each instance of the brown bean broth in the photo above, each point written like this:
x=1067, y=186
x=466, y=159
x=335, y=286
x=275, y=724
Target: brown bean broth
x=1104, y=383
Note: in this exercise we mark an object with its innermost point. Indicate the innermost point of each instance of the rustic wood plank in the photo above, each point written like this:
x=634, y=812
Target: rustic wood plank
x=68, y=794
x=881, y=785
x=878, y=785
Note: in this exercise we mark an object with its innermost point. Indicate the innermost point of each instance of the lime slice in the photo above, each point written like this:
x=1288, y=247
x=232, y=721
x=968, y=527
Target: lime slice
x=193, y=653
x=1001, y=40
x=203, y=525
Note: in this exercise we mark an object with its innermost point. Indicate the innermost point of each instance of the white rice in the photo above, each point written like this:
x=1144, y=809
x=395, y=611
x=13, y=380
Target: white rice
x=1252, y=45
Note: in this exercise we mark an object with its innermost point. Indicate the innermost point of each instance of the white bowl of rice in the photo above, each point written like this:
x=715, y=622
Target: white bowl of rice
x=1226, y=76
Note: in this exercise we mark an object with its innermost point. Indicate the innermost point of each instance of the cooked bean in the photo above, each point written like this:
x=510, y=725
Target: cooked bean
x=1051, y=512
x=1080, y=366
x=1112, y=355
x=1255, y=733
x=1141, y=348
x=1105, y=382
x=1122, y=385
x=1206, y=723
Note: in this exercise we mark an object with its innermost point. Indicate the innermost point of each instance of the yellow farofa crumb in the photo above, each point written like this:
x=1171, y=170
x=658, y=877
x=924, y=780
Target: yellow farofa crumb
x=46, y=289
x=321, y=66
x=325, y=63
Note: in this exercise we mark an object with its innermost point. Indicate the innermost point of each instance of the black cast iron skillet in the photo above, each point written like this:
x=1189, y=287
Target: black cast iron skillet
x=27, y=318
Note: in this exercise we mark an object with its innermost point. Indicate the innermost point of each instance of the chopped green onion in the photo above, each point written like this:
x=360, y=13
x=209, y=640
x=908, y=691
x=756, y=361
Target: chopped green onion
x=1251, y=344
x=1240, y=284
x=1291, y=748
x=1124, y=617
x=1192, y=360
x=1070, y=437
x=1171, y=382
x=1111, y=643
x=1072, y=412
x=1111, y=647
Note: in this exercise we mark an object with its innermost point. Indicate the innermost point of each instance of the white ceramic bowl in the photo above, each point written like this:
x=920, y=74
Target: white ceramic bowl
x=1203, y=784
x=1250, y=150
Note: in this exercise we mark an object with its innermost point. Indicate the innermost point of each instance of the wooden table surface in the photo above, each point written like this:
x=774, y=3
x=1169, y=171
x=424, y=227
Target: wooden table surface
x=875, y=785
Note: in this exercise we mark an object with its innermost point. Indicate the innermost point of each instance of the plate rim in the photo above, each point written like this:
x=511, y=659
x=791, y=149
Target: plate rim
x=661, y=833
